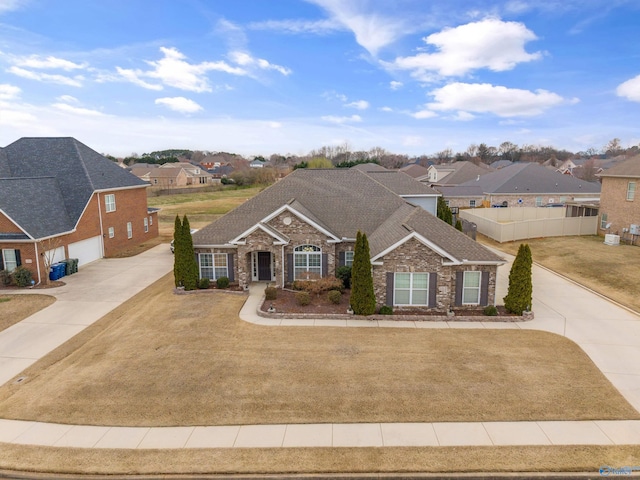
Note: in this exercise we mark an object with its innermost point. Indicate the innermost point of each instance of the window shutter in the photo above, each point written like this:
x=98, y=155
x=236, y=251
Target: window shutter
x=341, y=259
x=433, y=289
x=484, y=289
x=1, y=260
x=389, y=298
x=18, y=261
x=459, y=281
x=230, y=271
x=290, y=267
x=325, y=265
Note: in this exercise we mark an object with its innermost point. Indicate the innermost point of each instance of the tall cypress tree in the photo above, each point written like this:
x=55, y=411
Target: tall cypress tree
x=190, y=275
x=444, y=212
x=178, y=275
x=363, y=299
x=520, y=293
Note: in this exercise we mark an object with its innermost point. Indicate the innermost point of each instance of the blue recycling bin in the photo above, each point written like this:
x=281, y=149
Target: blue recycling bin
x=54, y=272
x=62, y=269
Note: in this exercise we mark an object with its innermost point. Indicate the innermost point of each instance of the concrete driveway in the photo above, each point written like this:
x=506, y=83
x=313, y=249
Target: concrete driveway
x=88, y=295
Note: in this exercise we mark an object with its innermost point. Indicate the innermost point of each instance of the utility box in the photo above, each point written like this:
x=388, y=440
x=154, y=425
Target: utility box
x=610, y=239
x=634, y=229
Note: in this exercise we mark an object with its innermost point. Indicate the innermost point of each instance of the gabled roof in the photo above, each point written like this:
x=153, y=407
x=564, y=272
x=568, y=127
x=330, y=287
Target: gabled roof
x=370, y=167
x=531, y=178
x=401, y=184
x=449, y=191
x=61, y=174
x=629, y=168
x=341, y=202
x=462, y=172
x=415, y=170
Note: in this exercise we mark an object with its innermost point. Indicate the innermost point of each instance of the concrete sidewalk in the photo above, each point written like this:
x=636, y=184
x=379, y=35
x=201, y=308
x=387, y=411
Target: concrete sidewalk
x=608, y=333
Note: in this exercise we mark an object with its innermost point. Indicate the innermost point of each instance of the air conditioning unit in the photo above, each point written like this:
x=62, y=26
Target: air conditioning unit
x=611, y=239
x=634, y=229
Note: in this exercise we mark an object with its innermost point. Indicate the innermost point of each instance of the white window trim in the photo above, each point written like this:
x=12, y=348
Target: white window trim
x=112, y=232
x=14, y=262
x=539, y=201
x=603, y=221
x=411, y=289
x=348, y=262
x=129, y=230
x=306, y=254
x=110, y=202
x=146, y=225
x=213, y=267
x=464, y=287
x=472, y=203
x=631, y=191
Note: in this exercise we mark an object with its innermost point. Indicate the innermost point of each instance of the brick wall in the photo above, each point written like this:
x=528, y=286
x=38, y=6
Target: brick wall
x=621, y=213
x=530, y=200
x=7, y=226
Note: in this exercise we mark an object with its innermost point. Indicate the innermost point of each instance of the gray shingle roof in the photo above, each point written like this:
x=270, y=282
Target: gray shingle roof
x=401, y=184
x=463, y=172
x=343, y=202
x=61, y=171
x=629, y=168
x=529, y=179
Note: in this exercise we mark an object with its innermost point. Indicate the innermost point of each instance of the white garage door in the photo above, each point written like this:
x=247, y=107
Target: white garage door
x=86, y=251
x=55, y=255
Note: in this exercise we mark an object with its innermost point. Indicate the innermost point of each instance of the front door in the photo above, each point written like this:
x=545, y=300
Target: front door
x=264, y=266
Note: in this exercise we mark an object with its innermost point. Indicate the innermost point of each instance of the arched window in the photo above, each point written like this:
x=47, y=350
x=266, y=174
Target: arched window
x=307, y=261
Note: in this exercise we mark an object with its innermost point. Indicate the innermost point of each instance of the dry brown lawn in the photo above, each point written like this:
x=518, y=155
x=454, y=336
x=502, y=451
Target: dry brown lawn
x=318, y=460
x=15, y=308
x=611, y=271
x=165, y=360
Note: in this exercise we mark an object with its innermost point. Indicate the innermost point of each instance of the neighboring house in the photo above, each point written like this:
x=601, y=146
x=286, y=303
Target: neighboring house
x=304, y=227
x=498, y=164
x=461, y=196
x=417, y=171
x=219, y=172
x=532, y=185
x=455, y=173
x=61, y=199
x=174, y=174
x=256, y=164
x=620, y=200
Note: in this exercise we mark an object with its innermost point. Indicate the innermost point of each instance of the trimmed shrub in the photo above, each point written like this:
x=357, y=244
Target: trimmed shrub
x=21, y=277
x=385, y=310
x=204, y=283
x=520, y=291
x=458, y=225
x=363, y=299
x=344, y=274
x=334, y=296
x=318, y=286
x=5, y=278
x=490, y=311
x=222, y=282
x=303, y=298
x=270, y=293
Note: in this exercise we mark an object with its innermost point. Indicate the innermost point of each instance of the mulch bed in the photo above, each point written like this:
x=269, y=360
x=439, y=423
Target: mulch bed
x=286, y=303
x=42, y=286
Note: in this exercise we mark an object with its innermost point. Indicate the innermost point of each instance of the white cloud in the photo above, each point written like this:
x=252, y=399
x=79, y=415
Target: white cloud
x=499, y=100
x=422, y=114
x=489, y=43
x=9, y=5
x=15, y=118
x=46, y=77
x=394, y=85
x=68, y=99
x=43, y=63
x=386, y=109
x=174, y=71
x=359, y=105
x=463, y=116
x=316, y=27
x=630, y=89
x=341, y=120
x=373, y=31
x=77, y=110
x=9, y=92
x=246, y=60
x=179, y=104
x=413, y=141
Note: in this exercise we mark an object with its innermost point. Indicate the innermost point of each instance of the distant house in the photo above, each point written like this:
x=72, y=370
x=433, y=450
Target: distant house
x=461, y=196
x=620, y=200
x=256, y=164
x=174, y=174
x=417, y=171
x=61, y=199
x=305, y=225
x=532, y=185
x=455, y=173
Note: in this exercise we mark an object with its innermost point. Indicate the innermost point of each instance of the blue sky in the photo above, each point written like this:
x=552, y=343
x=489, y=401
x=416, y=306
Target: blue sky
x=258, y=77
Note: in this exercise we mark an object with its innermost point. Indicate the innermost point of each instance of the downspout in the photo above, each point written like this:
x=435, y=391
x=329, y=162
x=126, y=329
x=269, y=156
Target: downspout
x=101, y=227
x=282, y=266
x=38, y=264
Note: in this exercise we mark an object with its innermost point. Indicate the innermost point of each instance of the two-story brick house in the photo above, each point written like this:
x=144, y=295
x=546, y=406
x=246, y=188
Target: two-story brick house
x=60, y=199
x=305, y=226
x=620, y=200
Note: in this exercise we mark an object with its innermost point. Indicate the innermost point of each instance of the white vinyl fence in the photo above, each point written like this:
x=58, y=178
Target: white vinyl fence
x=518, y=223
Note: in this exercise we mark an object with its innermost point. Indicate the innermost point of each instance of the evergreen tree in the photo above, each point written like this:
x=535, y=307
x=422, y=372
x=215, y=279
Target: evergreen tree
x=520, y=293
x=190, y=273
x=458, y=225
x=444, y=212
x=177, y=247
x=363, y=299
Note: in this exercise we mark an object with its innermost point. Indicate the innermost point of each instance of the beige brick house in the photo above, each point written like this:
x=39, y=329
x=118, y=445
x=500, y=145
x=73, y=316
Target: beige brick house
x=620, y=200
x=61, y=199
x=305, y=226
